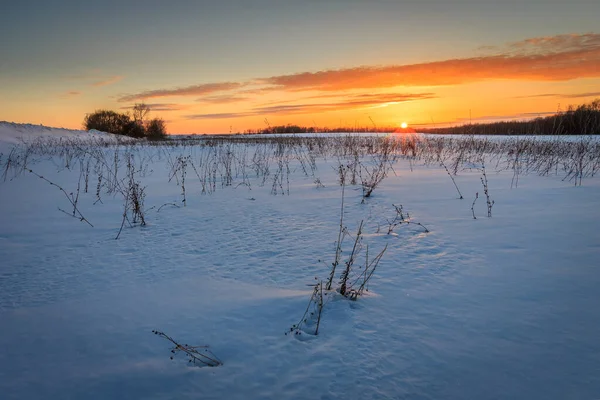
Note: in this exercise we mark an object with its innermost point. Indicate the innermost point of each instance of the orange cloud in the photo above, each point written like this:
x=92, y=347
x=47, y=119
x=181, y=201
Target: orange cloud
x=563, y=57
x=70, y=94
x=222, y=99
x=507, y=117
x=564, y=96
x=352, y=102
x=485, y=119
x=195, y=90
x=160, y=107
x=554, y=58
x=108, y=81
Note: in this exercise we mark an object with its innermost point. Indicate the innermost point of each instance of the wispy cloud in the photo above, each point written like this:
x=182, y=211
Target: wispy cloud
x=553, y=58
x=220, y=115
x=94, y=78
x=108, y=81
x=351, y=102
x=160, y=107
x=70, y=94
x=562, y=96
x=507, y=117
x=580, y=95
x=532, y=96
x=557, y=43
x=562, y=57
x=195, y=90
x=485, y=119
x=222, y=99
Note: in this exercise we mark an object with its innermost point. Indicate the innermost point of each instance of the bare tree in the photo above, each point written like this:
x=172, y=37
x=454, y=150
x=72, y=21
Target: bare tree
x=140, y=113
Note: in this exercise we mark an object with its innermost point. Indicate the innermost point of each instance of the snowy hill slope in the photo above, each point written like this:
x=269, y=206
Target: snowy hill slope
x=14, y=133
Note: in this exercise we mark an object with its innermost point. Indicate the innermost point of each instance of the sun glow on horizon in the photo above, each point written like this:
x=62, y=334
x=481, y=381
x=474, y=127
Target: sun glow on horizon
x=404, y=125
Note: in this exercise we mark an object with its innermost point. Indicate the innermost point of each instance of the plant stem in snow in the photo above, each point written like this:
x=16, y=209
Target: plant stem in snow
x=338, y=250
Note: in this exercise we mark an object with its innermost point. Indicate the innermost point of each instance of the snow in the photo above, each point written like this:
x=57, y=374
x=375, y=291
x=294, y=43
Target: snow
x=14, y=133
x=500, y=307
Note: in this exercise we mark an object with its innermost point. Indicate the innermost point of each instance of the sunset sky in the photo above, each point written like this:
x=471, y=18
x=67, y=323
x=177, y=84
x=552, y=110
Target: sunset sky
x=231, y=65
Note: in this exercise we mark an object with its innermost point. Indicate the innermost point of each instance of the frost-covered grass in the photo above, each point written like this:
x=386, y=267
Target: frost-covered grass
x=500, y=307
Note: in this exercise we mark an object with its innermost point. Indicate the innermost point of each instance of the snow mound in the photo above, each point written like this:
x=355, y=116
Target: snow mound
x=13, y=133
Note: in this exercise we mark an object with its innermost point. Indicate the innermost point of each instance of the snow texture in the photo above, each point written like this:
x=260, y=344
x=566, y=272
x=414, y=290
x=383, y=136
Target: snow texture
x=13, y=133
x=486, y=308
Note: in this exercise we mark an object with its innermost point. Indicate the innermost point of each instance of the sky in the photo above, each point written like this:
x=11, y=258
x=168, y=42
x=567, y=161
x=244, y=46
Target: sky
x=232, y=65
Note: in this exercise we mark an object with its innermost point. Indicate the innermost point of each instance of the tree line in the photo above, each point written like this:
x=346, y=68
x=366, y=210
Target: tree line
x=311, y=129
x=581, y=120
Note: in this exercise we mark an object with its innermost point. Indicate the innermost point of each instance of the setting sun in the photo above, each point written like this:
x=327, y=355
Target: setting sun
x=404, y=125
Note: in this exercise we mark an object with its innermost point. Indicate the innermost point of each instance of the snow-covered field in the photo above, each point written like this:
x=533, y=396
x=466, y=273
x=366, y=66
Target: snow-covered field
x=487, y=308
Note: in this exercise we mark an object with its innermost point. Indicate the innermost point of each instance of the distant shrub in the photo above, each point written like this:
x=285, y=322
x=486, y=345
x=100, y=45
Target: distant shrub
x=156, y=129
x=107, y=121
x=134, y=129
x=123, y=124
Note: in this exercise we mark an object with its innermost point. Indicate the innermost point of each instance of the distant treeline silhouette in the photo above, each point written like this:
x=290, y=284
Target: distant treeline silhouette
x=581, y=120
x=313, y=129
